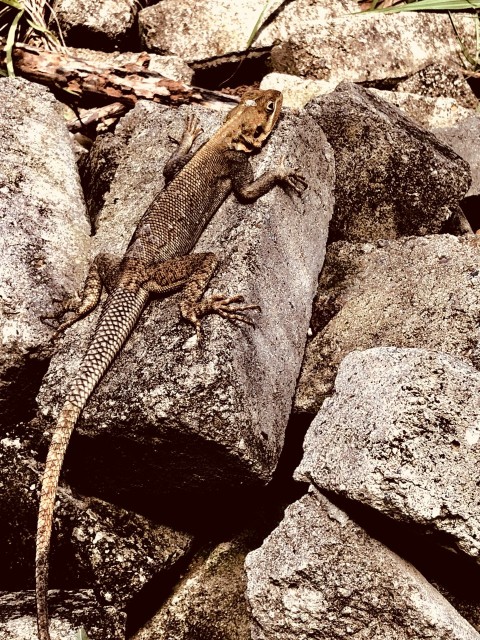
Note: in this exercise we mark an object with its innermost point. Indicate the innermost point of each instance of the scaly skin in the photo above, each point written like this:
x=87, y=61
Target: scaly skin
x=158, y=260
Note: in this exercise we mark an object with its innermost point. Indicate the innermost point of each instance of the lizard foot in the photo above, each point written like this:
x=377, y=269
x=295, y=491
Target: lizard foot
x=227, y=307
x=66, y=305
x=291, y=177
x=192, y=127
x=190, y=133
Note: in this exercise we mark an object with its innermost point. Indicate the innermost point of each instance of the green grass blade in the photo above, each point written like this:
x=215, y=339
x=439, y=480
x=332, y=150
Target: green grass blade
x=477, y=41
x=11, y=42
x=257, y=24
x=430, y=5
x=13, y=3
x=38, y=27
x=465, y=51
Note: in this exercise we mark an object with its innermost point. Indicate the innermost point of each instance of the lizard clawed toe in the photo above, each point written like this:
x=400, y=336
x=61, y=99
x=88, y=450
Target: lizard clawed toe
x=297, y=182
x=192, y=127
x=228, y=307
x=291, y=177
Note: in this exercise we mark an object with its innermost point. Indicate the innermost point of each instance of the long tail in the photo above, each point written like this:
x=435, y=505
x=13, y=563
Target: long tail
x=120, y=314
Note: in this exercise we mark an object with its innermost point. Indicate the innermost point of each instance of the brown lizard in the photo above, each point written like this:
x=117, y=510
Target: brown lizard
x=158, y=261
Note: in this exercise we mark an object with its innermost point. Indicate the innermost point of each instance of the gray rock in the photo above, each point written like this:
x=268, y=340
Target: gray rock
x=427, y=111
x=411, y=292
x=336, y=46
x=464, y=139
x=317, y=40
x=102, y=23
x=319, y=575
x=69, y=612
x=173, y=416
x=95, y=544
x=392, y=177
x=402, y=434
x=44, y=246
x=118, y=551
x=209, y=601
x=439, y=80
x=199, y=30
x=296, y=91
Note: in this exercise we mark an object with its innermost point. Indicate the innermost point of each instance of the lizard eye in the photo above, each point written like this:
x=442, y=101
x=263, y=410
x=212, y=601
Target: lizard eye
x=270, y=108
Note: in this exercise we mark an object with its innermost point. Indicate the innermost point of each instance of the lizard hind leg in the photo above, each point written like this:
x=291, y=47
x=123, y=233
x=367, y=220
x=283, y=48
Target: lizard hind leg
x=194, y=306
x=193, y=272
x=102, y=273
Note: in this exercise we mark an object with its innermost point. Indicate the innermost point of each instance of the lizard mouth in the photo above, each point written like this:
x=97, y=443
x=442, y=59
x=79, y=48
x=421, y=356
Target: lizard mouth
x=251, y=143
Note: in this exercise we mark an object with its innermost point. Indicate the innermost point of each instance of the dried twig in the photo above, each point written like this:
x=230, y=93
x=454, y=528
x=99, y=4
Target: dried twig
x=106, y=84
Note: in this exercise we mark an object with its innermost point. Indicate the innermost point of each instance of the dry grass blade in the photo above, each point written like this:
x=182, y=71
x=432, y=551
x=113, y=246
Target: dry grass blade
x=36, y=9
x=26, y=22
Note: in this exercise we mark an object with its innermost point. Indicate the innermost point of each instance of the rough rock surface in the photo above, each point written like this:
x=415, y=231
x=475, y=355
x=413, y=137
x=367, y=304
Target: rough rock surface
x=101, y=23
x=439, y=80
x=202, y=30
x=296, y=91
x=464, y=139
x=170, y=415
x=319, y=575
x=313, y=39
x=44, y=235
x=359, y=48
x=119, y=550
x=96, y=545
x=209, y=601
x=402, y=434
x=69, y=612
x=392, y=177
x=411, y=292
x=425, y=110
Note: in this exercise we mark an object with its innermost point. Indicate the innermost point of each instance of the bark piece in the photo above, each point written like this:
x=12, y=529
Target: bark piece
x=104, y=83
x=168, y=66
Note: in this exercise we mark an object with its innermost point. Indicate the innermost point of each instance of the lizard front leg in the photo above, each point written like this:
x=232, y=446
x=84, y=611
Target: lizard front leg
x=182, y=153
x=193, y=272
x=248, y=189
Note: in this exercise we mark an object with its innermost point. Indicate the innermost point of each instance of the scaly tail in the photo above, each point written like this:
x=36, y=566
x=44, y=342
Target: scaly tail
x=120, y=314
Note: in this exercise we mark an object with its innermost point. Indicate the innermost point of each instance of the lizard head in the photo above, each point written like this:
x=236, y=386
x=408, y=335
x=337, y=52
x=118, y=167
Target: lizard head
x=253, y=119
